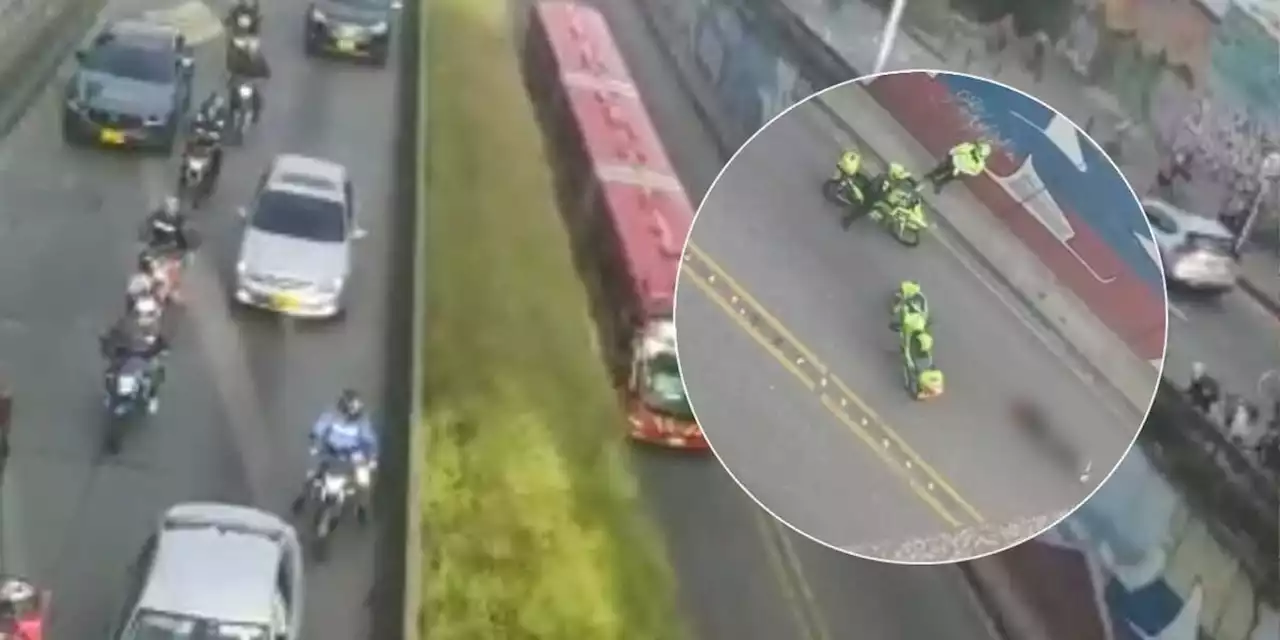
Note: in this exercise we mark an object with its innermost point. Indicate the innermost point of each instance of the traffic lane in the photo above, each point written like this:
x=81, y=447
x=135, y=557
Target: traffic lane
x=72, y=519
x=779, y=238
x=346, y=113
x=1232, y=335
x=778, y=440
x=327, y=119
x=728, y=586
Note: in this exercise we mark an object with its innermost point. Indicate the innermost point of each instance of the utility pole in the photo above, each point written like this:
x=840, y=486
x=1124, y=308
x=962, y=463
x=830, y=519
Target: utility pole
x=1267, y=174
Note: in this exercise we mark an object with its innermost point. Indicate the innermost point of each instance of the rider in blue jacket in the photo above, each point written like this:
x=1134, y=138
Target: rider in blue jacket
x=341, y=433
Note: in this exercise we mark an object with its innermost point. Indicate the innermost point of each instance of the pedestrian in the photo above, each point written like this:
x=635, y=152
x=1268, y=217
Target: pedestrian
x=1203, y=390
x=964, y=159
x=1177, y=167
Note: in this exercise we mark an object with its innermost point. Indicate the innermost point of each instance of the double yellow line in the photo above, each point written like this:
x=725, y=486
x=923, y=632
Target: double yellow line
x=923, y=480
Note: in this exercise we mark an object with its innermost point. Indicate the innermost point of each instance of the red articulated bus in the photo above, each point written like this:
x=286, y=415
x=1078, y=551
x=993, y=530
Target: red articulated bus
x=626, y=212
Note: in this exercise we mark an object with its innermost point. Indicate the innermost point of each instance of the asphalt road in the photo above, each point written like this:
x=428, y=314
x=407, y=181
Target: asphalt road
x=1235, y=337
x=768, y=226
x=244, y=387
x=742, y=575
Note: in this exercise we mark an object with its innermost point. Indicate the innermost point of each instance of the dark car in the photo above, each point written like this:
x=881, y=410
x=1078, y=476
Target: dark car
x=132, y=87
x=352, y=28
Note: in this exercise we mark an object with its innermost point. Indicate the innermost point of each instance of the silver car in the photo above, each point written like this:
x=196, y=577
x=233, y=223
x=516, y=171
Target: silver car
x=1196, y=252
x=295, y=257
x=216, y=571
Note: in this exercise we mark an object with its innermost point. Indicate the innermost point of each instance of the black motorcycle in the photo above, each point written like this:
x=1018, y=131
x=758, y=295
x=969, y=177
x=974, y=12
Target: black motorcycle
x=196, y=180
x=340, y=482
x=245, y=114
x=128, y=397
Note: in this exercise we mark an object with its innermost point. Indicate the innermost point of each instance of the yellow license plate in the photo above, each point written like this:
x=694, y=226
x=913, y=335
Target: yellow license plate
x=111, y=136
x=284, y=301
x=346, y=46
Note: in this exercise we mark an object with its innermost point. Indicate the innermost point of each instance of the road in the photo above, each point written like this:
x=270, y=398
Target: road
x=767, y=225
x=244, y=387
x=1235, y=337
x=742, y=575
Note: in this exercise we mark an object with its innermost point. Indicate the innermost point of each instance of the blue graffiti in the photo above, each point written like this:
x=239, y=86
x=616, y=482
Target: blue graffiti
x=1098, y=195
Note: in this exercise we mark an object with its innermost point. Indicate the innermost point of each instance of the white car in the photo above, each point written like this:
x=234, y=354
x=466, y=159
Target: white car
x=1195, y=252
x=295, y=256
x=216, y=571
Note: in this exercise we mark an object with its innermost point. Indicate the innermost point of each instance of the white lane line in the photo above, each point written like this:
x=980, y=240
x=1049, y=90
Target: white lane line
x=1175, y=312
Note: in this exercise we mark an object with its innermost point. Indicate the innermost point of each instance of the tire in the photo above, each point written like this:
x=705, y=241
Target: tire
x=831, y=191
x=322, y=530
x=907, y=236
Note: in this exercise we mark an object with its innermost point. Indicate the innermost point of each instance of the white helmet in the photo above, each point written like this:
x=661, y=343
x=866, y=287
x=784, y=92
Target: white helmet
x=171, y=206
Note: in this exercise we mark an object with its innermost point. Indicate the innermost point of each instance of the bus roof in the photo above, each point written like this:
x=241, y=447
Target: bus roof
x=582, y=43
x=651, y=211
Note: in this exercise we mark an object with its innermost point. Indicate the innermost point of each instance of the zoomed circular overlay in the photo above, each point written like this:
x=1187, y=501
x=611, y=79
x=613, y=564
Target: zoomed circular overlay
x=921, y=317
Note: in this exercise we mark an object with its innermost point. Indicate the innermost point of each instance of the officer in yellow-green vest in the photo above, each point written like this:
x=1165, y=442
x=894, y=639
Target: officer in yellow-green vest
x=964, y=159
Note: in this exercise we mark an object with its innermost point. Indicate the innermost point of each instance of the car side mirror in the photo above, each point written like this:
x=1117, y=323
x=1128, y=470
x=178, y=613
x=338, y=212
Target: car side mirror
x=80, y=55
x=242, y=213
x=359, y=233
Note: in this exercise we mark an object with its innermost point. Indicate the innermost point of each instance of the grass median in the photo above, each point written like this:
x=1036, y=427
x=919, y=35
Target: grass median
x=533, y=525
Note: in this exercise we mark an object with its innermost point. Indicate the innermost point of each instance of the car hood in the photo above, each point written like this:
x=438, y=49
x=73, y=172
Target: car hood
x=353, y=15
x=269, y=254
x=105, y=91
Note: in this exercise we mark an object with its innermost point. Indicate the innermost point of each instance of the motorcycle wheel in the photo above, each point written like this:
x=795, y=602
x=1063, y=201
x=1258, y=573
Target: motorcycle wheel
x=905, y=235
x=831, y=191
x=113, y=438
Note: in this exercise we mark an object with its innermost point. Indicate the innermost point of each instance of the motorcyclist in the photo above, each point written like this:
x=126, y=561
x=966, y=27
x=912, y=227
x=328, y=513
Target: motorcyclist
x=132, y=337
x=212, y=116
x=964, y=159
x=146, y=282
x=166, y=228
x=244, y=18
x=21, y=610
x=204, y=139
x=341, y=433
x=909, y=298
x=252, y=104
x=1203, y=391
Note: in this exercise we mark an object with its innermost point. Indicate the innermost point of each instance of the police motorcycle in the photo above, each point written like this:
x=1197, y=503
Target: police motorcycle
x=848, y=188
x=920, y=373
x=341, y=480
x=899, y=210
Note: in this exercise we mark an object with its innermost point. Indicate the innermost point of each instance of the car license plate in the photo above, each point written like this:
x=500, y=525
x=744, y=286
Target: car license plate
x=284, y=301
x=111, y=136
x=346, y=46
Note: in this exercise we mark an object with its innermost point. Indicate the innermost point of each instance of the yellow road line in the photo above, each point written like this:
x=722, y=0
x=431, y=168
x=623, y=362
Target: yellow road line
x=934, y=479
x=894, y=465
x=790, y=577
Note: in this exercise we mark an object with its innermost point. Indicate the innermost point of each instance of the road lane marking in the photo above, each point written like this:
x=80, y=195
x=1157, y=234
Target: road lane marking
x=785, y=564
x=1177, y=313
x=944, y=547
x=918, y=476
x=743, y=304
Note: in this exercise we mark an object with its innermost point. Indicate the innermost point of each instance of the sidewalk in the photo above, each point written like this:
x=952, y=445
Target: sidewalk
x=853, y=30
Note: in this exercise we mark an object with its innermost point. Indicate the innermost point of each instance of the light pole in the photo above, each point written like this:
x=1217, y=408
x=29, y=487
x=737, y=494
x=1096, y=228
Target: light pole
x=889, y=34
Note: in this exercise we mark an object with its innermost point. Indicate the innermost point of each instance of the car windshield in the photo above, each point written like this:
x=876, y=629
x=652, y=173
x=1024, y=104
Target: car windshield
x=299, y=216
x=663, y=388
x=1211, y=243
x=134, y=63
x=153, y=625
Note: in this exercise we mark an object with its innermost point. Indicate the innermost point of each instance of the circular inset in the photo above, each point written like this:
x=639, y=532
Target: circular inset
x=929, y=360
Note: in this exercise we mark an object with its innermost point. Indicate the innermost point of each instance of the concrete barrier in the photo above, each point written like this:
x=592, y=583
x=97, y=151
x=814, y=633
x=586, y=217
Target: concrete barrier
x=35, y=35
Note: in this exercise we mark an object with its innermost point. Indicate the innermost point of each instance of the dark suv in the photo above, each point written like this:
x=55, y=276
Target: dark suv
x=132, y=87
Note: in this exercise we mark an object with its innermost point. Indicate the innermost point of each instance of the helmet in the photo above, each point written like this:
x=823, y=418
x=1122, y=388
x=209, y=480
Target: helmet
x=1197, y=370
x=910, y=288
x=913, y=323
x=171, y=206
x=925, y=341
x=898, y=172
x=982, y=149
x=350, y=405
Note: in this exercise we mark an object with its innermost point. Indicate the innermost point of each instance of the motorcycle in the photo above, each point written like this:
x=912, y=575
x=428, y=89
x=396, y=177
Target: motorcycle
x=331, y=491
x=195, y=183
x=243, y=118
x=920, y=374
x=906, y=225
x=244, y=44
x=128, y=395
x=847, y=191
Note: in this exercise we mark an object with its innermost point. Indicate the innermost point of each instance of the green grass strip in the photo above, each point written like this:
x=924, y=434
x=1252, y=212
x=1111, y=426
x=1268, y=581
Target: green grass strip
x=533, y=528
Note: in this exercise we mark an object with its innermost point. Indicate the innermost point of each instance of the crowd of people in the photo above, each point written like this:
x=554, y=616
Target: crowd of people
x=1241, y=420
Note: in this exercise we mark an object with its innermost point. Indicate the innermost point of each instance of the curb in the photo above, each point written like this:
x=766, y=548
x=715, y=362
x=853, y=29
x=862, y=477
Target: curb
x=1267, y=300
x=413, y=623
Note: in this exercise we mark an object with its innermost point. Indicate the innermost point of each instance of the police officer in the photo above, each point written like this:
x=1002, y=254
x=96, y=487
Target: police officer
x=964, y=159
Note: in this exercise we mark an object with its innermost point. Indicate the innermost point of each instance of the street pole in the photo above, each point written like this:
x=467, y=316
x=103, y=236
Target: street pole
x=889, y=34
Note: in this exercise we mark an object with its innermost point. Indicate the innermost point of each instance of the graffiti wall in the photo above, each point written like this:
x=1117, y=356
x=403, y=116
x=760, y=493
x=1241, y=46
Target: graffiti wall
x=1136, y=563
